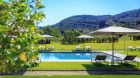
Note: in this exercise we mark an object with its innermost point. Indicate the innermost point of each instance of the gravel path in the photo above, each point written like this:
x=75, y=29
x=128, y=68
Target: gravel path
x=50, y=73
x=77, y=72
x=81, y=72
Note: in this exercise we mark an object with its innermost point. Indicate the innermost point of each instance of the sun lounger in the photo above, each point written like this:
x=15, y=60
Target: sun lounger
x=131, y=48
x=37, y=60
x=46, y=49
x=87, y=48
x=77, y=48
x=129, y=58
x=99, y=58
x=51, y=48
x=42, y=48
x=138, y=47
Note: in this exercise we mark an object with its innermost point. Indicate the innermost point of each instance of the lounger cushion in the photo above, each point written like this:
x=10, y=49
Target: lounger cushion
x=130, y=57
x=100, y=57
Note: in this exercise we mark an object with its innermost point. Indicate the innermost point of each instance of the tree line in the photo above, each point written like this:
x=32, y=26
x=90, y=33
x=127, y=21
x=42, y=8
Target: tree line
x=69, y=36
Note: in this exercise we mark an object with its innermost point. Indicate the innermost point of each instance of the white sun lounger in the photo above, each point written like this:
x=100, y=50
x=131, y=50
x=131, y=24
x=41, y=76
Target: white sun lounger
x=77, y=48
x=51, y=48
x=138, y=47
x=88, y=48
x=130, y=48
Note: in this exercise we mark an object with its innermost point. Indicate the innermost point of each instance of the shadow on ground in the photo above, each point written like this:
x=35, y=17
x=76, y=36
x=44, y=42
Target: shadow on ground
x=14, y=73
x=100, y=68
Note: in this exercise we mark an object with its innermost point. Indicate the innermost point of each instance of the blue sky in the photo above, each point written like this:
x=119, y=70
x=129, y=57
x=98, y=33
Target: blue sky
x=56, y=10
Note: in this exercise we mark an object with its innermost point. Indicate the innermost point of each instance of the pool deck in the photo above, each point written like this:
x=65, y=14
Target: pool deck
x=49, y=73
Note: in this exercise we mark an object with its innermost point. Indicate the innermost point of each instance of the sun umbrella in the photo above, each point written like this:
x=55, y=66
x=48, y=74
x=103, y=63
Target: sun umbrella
x=84, y=37
x=116, y=30
x=47, y=36
x=112, y=30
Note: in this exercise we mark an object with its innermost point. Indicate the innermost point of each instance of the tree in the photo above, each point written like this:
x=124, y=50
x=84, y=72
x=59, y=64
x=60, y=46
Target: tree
x=70, y=37
x=18, y=34
x=51, y=31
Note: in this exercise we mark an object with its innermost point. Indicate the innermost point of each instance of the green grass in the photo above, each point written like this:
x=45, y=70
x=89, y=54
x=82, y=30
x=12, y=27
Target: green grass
x=81, y=66
x=95, y=46
x=91, y=76
x=61, y=66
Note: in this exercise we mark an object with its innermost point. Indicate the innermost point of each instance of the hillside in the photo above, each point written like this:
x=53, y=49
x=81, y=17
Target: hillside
x=90, y=22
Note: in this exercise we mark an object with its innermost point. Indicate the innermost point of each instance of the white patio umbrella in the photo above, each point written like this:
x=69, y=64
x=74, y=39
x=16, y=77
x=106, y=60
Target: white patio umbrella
x=47, y=36
x=112, y=30
x=84, y=37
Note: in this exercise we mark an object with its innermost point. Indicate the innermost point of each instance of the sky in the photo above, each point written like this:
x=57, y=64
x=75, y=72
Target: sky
x=57, y=10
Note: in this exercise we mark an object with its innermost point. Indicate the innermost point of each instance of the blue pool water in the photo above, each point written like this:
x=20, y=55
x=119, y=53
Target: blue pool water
x=70, y=56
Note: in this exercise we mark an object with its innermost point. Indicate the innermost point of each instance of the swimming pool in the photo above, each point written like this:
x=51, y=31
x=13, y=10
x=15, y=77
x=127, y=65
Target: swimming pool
x=71, y=56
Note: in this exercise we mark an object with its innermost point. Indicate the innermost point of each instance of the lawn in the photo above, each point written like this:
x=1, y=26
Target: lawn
x=81, y=66
x=95, y=46
x=62, y=66
x=91, y=76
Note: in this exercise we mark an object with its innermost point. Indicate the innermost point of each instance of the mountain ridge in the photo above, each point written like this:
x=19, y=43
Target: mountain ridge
x=129, y=19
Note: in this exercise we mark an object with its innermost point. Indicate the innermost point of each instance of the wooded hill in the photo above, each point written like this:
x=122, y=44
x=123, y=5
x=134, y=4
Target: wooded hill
x=90, y=22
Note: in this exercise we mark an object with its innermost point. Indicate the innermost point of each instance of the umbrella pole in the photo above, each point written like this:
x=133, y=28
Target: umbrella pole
x=83, y=44
x=124, y=43
x=112, y=61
